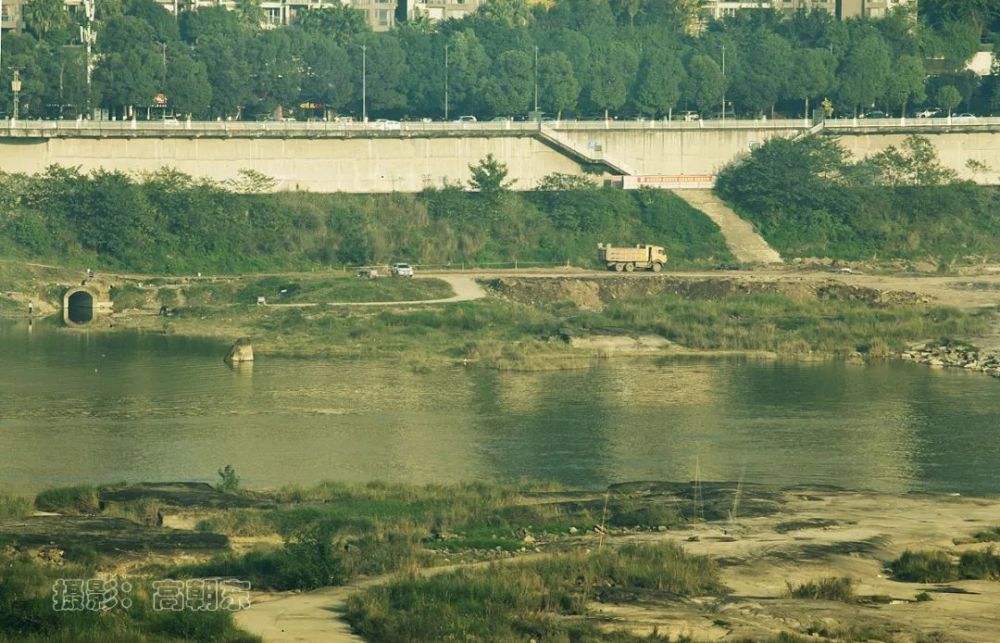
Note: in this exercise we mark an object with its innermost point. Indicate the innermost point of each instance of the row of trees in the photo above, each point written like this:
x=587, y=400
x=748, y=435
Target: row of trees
x=588, y=57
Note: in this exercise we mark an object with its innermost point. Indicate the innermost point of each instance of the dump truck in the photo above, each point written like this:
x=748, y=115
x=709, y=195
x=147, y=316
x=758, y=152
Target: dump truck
x=644, y=257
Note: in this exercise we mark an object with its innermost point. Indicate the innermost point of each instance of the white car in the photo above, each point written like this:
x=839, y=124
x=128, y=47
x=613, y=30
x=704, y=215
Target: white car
x=929, y=113
x=401, y=270
x=387, y=124
x=466, y=119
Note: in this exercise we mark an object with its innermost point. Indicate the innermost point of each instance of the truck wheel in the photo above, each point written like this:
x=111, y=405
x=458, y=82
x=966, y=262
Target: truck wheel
x=629, y=267
x=619, y=267
x=657, y=267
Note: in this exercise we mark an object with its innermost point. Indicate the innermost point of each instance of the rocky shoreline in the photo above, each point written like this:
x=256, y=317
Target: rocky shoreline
x=954, y=356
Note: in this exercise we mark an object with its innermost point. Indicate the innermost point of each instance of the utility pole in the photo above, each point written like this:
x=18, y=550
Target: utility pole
x=364, y=83
x=445, y=79
x=15, y=86
x=87, y=36
x=536, y=82
x=723, y=83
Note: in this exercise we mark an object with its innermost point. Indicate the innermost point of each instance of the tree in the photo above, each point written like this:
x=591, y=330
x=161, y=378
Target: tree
x=948, y=97
x=612, y=72
x=187, y=88
x=467, y=68
x=507, y=90
x=327, y=72
x=906, y=83
x=276, y=70
x=489, y=177
x=812, y=75
x=44, y=18
x=128, y=71
x=761, y=78
x=558, y=88
x=865, y=72
x=251, y=14
x=658, y=87
x=705, y=84
x=342, y=23
x=511, y=13
x=386, y=68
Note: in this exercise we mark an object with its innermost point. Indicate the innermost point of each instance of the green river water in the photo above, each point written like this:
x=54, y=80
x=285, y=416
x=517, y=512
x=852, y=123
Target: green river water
x=87, y=407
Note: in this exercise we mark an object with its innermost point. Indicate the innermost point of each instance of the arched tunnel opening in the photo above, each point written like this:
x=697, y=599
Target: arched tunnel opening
x=80, y=307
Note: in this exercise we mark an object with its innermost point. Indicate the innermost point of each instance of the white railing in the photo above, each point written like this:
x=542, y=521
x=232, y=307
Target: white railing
x=324, y=128
x=910, y=122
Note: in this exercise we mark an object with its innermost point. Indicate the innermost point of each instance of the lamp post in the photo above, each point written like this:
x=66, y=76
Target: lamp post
x=723, y=83
x=364, y=83
x=536, y=82
x=15, y=86
x=445, y=79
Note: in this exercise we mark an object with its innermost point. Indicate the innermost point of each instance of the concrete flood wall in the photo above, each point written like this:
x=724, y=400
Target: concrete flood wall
x=320, y=165
x=412, y=163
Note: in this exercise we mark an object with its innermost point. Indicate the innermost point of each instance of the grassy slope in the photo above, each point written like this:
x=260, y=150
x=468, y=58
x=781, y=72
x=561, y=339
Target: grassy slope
x=174, y=224
x=809, y=199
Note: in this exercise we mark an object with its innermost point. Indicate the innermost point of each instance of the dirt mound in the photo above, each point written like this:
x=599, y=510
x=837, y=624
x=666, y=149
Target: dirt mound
x=104, y=534
x=178, y=494
x=594, y=293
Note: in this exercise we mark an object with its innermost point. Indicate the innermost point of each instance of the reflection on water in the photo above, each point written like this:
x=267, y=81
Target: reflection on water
x=89, y=407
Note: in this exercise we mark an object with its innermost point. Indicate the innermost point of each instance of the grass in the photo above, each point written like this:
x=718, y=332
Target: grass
x=79, y=499
x=539, y=600
x=503, y=334
x=924, y=567
x=14, y=506
x=808, y=523
x=939, y=567
x=26, y=611
x=990, y=535
x=826, y=589
x=774, y=322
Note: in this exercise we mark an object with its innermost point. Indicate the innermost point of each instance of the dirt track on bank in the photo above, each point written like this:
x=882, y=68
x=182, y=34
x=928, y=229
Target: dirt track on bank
x=759, y=556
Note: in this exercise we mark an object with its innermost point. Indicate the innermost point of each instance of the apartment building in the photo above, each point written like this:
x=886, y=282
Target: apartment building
x=438, y=10
x=843, y=9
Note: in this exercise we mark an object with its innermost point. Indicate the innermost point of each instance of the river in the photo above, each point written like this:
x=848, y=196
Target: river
x=91, y=407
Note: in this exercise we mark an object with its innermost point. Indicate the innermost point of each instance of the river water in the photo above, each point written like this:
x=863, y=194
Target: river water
x=86, y=407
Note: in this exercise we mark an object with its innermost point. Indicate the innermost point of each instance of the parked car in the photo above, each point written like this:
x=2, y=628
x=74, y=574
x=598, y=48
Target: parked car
x=688, y=116
x=966, y=116
x=502, y=119
x=466, y=119
x=401, y=270
x=875, y=113
x=930, y=112
x=385, y=123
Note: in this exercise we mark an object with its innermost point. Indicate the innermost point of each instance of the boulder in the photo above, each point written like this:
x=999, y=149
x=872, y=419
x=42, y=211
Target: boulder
x=241, y=351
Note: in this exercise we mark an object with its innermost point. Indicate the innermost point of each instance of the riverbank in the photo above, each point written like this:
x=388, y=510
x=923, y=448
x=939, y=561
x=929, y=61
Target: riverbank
x=544, y=320
x=709, y=561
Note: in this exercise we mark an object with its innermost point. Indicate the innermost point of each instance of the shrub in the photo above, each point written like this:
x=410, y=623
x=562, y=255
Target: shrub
x=924, y=567
x=14, y=506
x=979, y=565
x=229, y=482
x=826, y=589
x=80, y=499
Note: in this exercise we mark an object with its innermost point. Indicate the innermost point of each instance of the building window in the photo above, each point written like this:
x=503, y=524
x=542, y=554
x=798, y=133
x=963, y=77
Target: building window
x=383, y=18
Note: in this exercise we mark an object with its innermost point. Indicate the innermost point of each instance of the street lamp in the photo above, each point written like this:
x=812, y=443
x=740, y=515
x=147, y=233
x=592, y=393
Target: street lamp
x=445, y=79
x=15, y=86
x=536, y=82
x=364, y=83
x=723, y=83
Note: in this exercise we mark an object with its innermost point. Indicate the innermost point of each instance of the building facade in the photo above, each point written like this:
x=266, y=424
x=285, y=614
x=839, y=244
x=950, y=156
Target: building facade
x=381, y=15
x=842, y=9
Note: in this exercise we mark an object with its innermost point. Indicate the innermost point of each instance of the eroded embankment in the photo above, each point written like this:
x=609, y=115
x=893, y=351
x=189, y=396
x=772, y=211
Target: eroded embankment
x=596, y=293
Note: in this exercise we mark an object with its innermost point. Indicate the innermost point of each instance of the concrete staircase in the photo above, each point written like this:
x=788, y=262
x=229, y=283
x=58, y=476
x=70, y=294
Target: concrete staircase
x=580, y=152
x=743, y=241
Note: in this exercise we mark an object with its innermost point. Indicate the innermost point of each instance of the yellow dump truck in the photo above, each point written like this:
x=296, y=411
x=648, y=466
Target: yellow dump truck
x=644, y=257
